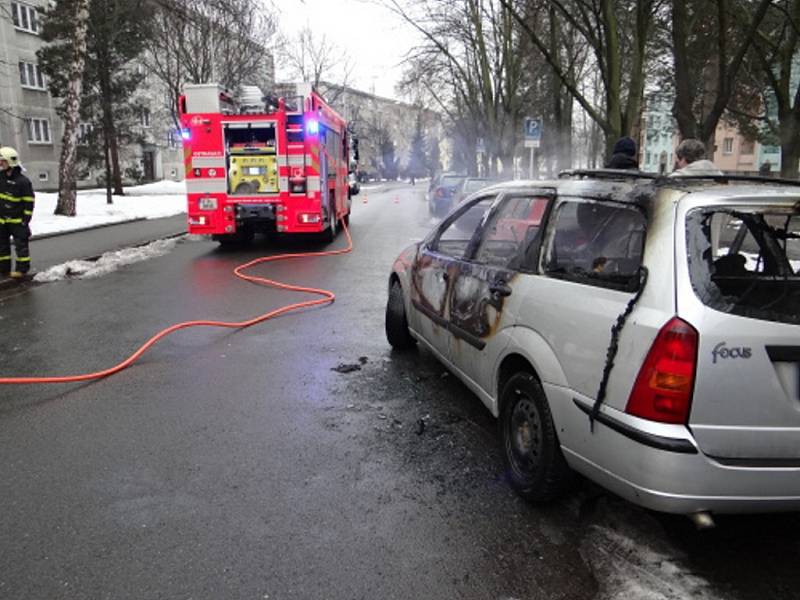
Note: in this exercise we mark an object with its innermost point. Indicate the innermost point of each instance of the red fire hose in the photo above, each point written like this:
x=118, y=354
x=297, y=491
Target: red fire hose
x=327, y=297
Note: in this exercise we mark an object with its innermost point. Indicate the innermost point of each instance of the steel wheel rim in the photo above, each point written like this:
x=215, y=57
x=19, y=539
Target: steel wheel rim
x=525, y=435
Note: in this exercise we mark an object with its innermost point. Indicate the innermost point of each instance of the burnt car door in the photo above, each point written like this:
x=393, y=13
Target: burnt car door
x=433, y=270
x=481, y=301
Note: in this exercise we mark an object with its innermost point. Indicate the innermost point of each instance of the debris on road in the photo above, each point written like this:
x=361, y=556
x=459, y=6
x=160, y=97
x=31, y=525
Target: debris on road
x=346, y=367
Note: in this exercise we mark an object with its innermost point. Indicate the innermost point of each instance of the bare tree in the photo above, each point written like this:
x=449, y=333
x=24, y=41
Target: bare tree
x=471, y=65
x=766, y=103
x=705, y=80
x=315, y=59
x=618, y=33
x=203, y=41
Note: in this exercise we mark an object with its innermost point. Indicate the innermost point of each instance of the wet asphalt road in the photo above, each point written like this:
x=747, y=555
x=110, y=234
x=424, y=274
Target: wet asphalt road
x=248, y=465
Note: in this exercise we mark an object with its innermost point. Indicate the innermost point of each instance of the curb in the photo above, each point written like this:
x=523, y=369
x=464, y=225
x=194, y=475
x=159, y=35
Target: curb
x=44, y=236
x=9, y=282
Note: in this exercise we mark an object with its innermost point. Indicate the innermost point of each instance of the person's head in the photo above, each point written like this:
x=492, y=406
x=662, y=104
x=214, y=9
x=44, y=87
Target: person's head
x=688, y=151
x=625, y=145
x=8, y=158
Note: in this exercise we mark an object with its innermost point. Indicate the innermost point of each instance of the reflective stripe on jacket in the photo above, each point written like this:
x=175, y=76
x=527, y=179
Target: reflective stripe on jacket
x=16, y=197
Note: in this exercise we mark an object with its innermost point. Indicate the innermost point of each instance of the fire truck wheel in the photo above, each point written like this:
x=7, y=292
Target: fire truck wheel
x=330, y=233
x=397, y=332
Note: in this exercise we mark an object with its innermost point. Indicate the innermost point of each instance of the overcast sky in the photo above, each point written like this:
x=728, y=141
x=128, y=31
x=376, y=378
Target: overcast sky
x=374, y=37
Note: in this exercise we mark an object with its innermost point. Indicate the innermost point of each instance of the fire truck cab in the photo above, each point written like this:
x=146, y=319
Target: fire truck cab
x=276, y=167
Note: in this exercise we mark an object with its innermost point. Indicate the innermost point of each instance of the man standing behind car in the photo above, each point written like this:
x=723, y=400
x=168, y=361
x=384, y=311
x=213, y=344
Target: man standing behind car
x=623, y=155
x=690, y=159
x=16, y=210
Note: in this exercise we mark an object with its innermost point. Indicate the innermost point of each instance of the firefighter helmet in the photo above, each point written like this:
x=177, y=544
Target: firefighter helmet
x=9, y=155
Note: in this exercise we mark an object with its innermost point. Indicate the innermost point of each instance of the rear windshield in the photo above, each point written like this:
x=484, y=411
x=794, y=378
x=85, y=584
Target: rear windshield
x=746, y=261
x=450, y=180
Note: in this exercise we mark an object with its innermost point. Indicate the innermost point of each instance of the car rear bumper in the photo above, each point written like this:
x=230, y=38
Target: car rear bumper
x=660, y=467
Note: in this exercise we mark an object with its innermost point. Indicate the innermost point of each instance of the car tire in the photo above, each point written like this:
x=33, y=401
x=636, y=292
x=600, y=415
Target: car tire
x=535, y=465
x=397, y=331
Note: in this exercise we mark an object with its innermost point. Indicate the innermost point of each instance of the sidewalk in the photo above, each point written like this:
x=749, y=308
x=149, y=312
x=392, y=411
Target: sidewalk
x=88, y=243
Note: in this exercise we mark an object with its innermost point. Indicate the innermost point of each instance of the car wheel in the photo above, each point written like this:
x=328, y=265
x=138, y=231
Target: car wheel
x=397, y=331
x=535, y=466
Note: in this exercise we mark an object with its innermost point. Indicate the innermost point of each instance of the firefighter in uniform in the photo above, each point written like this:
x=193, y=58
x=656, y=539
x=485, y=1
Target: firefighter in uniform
x=16, y=210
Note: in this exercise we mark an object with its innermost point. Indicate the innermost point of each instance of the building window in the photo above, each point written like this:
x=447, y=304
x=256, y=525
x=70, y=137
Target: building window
x=44, y=176
x=30, y=76
x=173, y=139
x=38, y=131
x=144, y=118
x=25, y=17
x=84, y=131
x=748, y=147
x=727, y=146
x=647, y=159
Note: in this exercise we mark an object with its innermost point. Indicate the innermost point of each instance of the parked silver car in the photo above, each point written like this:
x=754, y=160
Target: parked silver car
x=642, y=331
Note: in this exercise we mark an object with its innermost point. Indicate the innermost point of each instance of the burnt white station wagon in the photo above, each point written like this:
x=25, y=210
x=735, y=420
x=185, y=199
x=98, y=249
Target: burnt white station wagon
x=642, y=331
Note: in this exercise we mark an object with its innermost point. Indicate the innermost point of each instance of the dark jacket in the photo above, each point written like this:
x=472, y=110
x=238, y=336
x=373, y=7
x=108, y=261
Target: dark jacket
x=622, y=161
x=16, y=197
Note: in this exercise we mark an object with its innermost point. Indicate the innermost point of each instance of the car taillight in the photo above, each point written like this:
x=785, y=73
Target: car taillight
x=663, y=388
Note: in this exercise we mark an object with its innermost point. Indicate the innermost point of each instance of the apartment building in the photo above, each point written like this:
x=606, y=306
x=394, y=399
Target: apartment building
x=28, y=119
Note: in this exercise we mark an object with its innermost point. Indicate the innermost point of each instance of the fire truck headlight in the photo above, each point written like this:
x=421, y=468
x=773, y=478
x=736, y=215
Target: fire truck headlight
x=309, y=218
x=312, y=127
x=186, y=134
x=207, y=203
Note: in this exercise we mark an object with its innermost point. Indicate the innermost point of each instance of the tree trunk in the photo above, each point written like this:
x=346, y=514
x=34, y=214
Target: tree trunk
x=613, y=77
x=790, y=145
x=111, y=132
x=67, y=191
x=109, y=197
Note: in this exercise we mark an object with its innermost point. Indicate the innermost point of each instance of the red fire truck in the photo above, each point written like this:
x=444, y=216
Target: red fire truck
x=277, y=166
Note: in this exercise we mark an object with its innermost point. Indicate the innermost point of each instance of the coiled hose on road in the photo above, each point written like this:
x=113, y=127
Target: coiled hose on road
x=327, y=298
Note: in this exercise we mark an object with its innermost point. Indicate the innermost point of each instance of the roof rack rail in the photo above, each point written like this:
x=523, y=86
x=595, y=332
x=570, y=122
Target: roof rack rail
x=725, y=177
x=607, y=174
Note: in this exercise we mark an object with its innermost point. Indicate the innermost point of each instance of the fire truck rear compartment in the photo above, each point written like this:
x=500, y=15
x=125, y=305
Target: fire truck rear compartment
x=250, y=151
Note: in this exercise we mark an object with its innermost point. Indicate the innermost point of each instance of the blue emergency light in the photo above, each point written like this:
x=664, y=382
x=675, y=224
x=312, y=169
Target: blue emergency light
x=186, y=134
x=312, y=127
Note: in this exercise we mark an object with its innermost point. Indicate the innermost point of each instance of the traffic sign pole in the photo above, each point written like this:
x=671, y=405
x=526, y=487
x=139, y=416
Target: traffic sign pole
x=530, y=168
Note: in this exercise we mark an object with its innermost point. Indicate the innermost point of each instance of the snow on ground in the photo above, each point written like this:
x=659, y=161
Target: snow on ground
x=107, y=263
x=630, y=556
x=149, y=201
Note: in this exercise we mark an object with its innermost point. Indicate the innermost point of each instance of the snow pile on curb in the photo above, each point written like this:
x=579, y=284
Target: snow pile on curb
x=107, y=263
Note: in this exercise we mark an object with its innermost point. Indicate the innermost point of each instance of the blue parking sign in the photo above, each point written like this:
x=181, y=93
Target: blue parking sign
x=533, y=129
